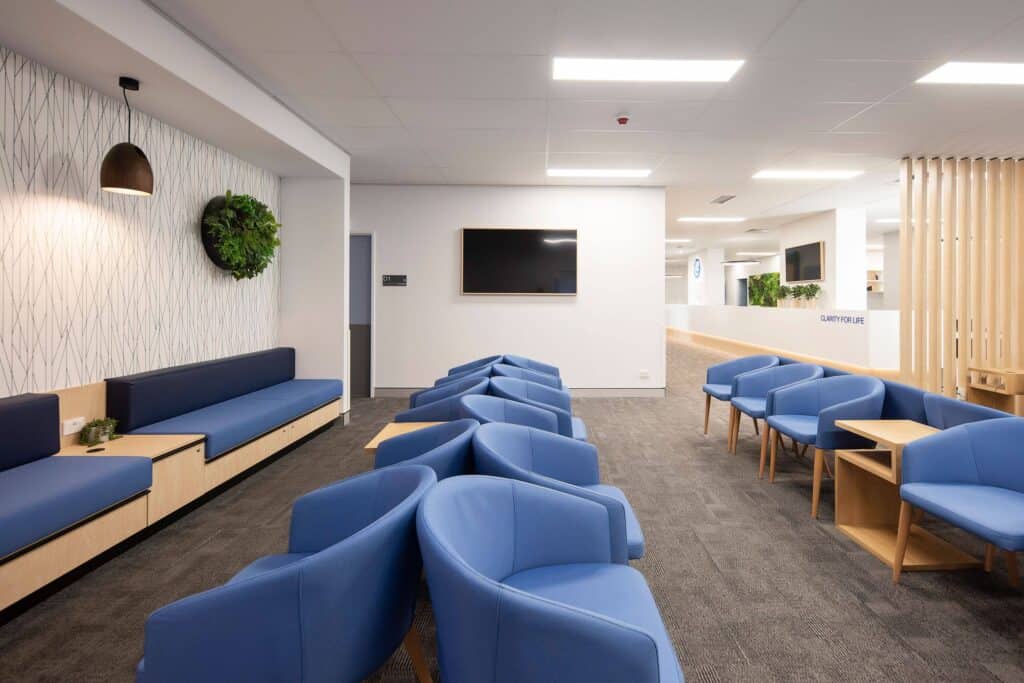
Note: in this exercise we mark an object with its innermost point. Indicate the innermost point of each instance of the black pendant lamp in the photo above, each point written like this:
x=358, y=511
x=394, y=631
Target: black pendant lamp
x=126, y=169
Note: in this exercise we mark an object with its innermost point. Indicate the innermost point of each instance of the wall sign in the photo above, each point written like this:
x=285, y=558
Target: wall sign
x=697, y=268
x=841, y=319
x=395, y=281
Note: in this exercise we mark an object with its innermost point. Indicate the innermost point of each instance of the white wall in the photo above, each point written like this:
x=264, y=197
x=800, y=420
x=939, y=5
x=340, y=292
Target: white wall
x=602, y=338
x=93, y=284
x=706, y=282
x=844, y=233
x=865, y=338
x=314, y=277
x=676, y=287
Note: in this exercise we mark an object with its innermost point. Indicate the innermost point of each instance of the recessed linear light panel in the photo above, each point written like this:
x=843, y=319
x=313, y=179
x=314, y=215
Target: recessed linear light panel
x=645, y=70
x=710, y=219
x=806, y=174
x=599, y=172
x=977, y=73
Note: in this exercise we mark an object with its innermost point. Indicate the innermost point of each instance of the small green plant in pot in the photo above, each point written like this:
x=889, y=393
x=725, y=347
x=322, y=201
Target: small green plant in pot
x=98, y=431
x=240, y=234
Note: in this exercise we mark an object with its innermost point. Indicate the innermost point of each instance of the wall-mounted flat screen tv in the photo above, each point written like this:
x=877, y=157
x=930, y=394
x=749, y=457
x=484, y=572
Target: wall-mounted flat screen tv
x=805, y=263
x=518, y=261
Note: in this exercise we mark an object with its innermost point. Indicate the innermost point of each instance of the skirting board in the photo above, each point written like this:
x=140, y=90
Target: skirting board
x=623, y=392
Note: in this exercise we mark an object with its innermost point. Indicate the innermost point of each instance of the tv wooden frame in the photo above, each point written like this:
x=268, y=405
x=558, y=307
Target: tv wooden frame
x=462, y=260
x=821, y=260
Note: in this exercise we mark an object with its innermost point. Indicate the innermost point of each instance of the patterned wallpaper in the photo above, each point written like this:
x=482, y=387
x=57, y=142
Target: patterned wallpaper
x=94, y=284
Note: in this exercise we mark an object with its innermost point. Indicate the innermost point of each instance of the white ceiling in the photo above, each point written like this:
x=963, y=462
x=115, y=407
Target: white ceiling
x=460, y=91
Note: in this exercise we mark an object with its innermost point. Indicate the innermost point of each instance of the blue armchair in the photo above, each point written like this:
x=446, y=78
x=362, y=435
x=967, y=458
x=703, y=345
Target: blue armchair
x=557, y=462
x=504, y=370
x=720, y=376
x=333, y=608
x=445, y=448
x=528, y=584
x=751, y=392
x=485, y=409
x=475, y=364
x=806, y=412
x=540, y=396
x=971, y=476
x=530, y=364
x=485, y=371
x=441, y=404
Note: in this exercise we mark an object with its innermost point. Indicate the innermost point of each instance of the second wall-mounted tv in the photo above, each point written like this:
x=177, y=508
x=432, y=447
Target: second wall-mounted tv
x=518, y=261
x=805, y=263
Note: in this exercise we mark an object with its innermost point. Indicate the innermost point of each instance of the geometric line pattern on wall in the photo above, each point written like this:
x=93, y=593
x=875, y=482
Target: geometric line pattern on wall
x=95, y=284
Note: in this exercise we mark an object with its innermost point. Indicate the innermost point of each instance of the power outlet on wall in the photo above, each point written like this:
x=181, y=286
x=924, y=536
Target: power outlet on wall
x=73, y=425
x=645, y=374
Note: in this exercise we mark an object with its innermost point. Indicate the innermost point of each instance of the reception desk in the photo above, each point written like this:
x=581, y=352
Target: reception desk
x=864, y=339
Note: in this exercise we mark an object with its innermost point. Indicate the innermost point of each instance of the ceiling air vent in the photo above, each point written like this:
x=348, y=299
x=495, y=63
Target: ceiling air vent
x=723, y=198
x=756, y=230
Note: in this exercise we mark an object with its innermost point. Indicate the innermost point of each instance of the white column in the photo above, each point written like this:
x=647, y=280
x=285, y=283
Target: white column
x=850, y=260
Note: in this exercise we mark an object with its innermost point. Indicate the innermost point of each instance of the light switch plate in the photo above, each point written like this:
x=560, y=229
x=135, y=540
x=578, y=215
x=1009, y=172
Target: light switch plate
x=645, y=374
x=73, y=425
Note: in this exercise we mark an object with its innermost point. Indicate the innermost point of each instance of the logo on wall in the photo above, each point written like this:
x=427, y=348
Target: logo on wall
x=697, y=268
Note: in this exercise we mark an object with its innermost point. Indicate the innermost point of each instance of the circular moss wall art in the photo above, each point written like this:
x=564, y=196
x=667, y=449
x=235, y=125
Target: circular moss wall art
x=239, y=234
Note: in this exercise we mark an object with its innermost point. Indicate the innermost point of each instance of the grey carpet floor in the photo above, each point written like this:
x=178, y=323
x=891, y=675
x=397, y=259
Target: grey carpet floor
x=749, y=586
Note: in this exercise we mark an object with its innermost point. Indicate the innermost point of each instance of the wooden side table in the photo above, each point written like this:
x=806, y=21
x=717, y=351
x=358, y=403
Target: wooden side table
x=178, y=461
x=393, y=429
x=867, y=484
x=999, y=388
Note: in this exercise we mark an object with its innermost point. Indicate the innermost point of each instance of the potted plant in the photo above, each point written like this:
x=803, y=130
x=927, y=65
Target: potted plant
x=239, y=234
x=785, y=292
x=811, y=293
x=98, y=431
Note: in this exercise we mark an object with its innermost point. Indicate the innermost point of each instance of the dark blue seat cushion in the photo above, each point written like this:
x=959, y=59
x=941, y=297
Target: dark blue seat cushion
x=750, y=405
x=992, y=513
x=139, y=400
x=229, y=424
x=30, y=424
x=44, y=496
x=615, y=591
x=634, y=534
x=723, y=392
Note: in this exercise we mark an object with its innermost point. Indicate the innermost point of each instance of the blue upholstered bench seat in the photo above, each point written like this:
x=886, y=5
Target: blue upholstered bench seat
x=615, y=591
x=233, y=422
x=50, y=494
x=991, y=512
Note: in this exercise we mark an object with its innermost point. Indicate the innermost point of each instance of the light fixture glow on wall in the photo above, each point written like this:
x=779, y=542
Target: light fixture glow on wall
x=888, y=221
x=799, y=174
x=673, y=277
x=740, y=262
x=125, y=168
x=645, y=70
x=875, y=247
x=710, y=219
x=756, y=253
x=679, y=240
x=598, y=172
x=977, y=73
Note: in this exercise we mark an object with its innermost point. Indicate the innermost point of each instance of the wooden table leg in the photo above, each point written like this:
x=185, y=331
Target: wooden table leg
x=419, y=661
x=736, y=430
x=756, y=431
x=902, y=536
x=1011, y=568
x=819, y=466
x=775, y=447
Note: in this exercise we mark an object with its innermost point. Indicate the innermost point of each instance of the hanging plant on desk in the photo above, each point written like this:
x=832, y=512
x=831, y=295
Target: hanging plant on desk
x=239, y=234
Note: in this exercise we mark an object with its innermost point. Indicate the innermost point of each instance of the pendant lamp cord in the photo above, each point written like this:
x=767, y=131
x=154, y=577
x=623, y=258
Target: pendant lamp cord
x=125, y=94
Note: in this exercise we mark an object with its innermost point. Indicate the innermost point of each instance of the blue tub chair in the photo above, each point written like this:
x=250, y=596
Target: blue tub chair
x=751, y=392
x=557, y=462
x=446, y=448
x=333, y=608
x=541, y=396
x=485, y=371
x=505, y=370
x=486, y=409
x=806, y=412
x=531, y=584
x=720, y=376
x=971, y=476
x=531, y=364
x=441, y=404
x=475, y=364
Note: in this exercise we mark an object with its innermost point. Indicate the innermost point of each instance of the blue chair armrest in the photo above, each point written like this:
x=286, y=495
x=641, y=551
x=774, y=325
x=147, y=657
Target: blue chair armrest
x=331, y=514
x=798, y=399
x=568, y=460
x=831, y=437
x=723, y=373
x=942, y=458
x=550, y=395
x=540, y=640
x=445, y=410
x=403, y=447
x=241, y=631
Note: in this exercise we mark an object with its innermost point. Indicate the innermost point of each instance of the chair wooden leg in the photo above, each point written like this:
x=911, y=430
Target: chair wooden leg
x=819, y=466
x=736, y=431
x=765, y=435
x=775, y=447
x=419, y=662
x=707, y=411
x=902, y=537
x=1011, y=567
x=757, y=431
x=990, y=556
x=728, y=435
